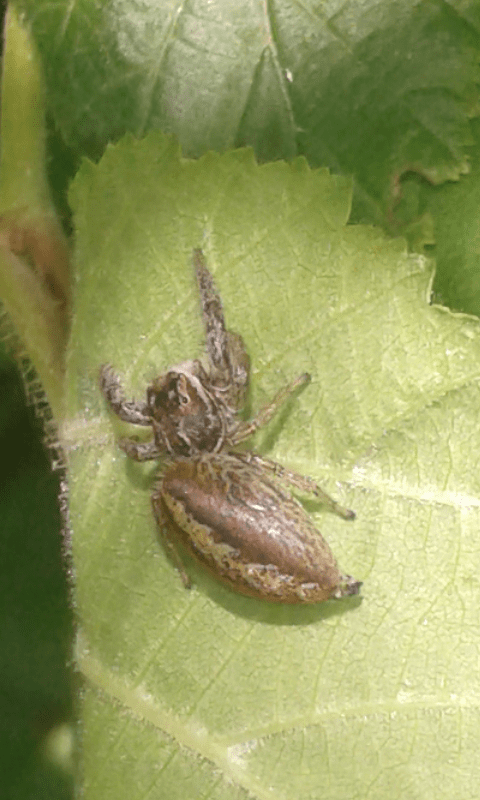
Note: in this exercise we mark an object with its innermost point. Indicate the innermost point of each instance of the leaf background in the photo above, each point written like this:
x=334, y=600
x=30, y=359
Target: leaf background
x=374, y=84
x=348, y=699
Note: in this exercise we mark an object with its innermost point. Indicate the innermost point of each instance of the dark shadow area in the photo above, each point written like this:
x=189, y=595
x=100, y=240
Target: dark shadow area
x=36, y=621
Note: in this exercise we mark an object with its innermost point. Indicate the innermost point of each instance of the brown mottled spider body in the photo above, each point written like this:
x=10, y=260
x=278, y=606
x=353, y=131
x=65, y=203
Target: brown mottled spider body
x=227, y=508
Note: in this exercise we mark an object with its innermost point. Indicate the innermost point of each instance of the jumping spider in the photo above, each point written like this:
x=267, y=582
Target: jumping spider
x=227, y=508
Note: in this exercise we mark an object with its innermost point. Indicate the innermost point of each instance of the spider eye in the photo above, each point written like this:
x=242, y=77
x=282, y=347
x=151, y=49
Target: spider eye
x=182, y=395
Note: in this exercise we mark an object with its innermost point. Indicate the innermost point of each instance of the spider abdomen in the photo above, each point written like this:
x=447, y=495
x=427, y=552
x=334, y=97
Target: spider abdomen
x=247, y=531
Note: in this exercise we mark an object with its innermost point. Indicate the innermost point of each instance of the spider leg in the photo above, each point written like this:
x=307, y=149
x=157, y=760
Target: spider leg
x=213, y=319
x=239, y=370
x=230, y=364
x=131, y=411
x=246, y=429
x=302, y=482
x=347, y=586
x=141, y=451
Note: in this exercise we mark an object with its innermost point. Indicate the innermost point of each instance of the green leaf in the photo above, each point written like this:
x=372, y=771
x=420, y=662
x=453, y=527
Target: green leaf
x=455, y=208
x=210, y=694
x=34, y=255
x=397, y=98
x=373, y=88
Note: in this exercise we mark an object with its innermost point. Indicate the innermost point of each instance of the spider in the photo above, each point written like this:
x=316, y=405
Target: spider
x=229, y=509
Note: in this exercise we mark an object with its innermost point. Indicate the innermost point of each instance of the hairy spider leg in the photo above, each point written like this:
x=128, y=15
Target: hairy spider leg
x=226, y=351
x=302, y=482
x=137, y=413
x=141, y=451
x=214, y=321
x=246, y=429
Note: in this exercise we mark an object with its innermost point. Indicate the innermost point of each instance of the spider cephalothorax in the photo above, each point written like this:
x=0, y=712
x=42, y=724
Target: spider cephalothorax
x=227, y=508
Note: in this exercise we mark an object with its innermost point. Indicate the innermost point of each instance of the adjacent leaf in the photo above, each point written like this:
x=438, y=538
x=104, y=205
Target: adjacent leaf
x=34, y=254
x=457, y=232
x=207, y=693
x=374, y=88
x=397, y=100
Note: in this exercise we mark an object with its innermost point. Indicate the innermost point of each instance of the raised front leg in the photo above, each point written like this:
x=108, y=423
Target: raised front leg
x=213, y=319
x=230, y=364
x=137, y=413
